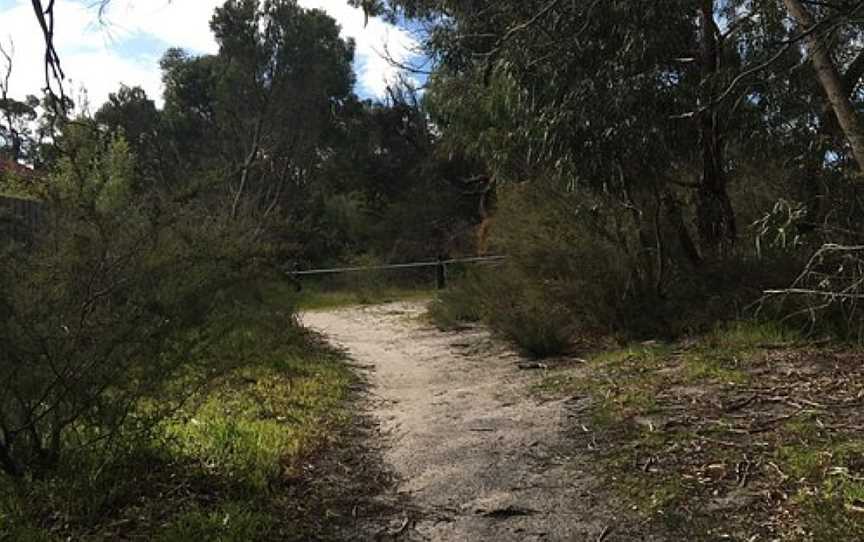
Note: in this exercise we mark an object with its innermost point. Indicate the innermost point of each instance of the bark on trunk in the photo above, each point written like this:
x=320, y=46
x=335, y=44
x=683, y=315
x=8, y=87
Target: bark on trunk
x=715, y=215
x=808, y=174
x=7, y=463
x=832, y=83
x=676, y=220
x=255, y=146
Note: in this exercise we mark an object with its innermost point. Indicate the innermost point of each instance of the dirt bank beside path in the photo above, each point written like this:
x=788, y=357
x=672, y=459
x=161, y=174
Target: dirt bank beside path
x=478, y=457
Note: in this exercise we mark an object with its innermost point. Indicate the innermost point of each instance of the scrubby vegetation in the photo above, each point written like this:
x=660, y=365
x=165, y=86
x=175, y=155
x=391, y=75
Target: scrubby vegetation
x=568, y=279
x=229, y=463
x=624, y=203
x=750, y=422
x=681, y=177
x=154, y=380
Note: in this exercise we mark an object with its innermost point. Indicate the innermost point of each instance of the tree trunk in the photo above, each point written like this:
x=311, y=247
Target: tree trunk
x=810, y=169
x=832, y=83
x=7, y=463
x=249, y=161
x=676, y=220
x=715, y=215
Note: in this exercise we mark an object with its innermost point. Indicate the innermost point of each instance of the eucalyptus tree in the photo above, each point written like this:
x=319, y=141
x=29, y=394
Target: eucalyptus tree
x=594, y=94
x=261, y=110
x=824, y=44
x=130, y=113
x=663, y=94
x=16, y=138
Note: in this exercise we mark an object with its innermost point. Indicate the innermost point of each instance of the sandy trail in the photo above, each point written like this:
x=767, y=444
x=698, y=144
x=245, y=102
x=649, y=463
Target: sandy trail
x=475, y=452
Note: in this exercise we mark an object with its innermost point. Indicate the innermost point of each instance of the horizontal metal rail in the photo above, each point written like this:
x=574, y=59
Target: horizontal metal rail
x=437, y=263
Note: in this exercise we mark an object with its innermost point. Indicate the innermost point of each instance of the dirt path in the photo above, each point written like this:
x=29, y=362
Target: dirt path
x=477, y=454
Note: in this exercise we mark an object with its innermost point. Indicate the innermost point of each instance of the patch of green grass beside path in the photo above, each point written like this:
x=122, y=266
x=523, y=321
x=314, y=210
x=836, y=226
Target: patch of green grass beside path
x=316, y=299
x=241, y=461
x=747, y=433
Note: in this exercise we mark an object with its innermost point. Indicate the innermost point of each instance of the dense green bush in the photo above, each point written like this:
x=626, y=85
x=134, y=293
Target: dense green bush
x=560, y=275
x=107, y=309
x=538, y=323
x=578, y=266
x=464, y=302
x=215, y=467
x=555, y=246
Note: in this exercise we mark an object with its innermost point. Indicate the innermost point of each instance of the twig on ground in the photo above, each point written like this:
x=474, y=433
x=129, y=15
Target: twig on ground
x=738, y=405
x=722, y=442
x=402, y=527
x=783, y=475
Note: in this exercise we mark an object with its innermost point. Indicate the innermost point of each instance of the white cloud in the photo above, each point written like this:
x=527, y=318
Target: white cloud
x=101, y=57
x=177, y=23
x=373, y=40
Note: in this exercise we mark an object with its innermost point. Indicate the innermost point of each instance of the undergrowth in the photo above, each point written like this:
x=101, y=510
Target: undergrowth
x=220, y=468
x=577, y=268
x=748, y=432
x=316, y=299
x=539, y=325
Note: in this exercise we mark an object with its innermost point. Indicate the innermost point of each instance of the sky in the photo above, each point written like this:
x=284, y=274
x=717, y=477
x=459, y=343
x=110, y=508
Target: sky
x=99, y=57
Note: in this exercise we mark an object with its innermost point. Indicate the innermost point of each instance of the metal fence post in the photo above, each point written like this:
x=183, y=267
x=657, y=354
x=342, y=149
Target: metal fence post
x=441, y=274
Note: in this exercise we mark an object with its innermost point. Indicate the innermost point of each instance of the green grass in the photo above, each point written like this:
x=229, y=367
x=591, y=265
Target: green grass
x=715, y=368
x=634, y=391
x=722, y=355
x=219, y=469
x=250, y=427
x=831, y=487
x=623, y=381
x=748, y=335
x=631, y=372
x=627, y=380
x=314, y=299
x=227, y=522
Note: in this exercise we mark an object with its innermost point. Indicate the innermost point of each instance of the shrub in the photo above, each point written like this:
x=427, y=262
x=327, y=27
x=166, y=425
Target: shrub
x=554, y=246
x=233, y=442
x=538, y=324
x=106, y=310
x=464, y=302
x=559, y=277
x=578, y=265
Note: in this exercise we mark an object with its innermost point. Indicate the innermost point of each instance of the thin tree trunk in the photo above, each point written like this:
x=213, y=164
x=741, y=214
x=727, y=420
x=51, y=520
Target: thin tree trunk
x=715, y=215
x=832, y=83
x=4, y=96
x=7, y=463
x=644, y=255
x=247, y=166
x=676, y=220
x=809, y=170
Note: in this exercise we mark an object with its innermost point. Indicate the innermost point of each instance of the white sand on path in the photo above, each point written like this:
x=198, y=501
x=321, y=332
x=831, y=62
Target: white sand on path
x=474, y=449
